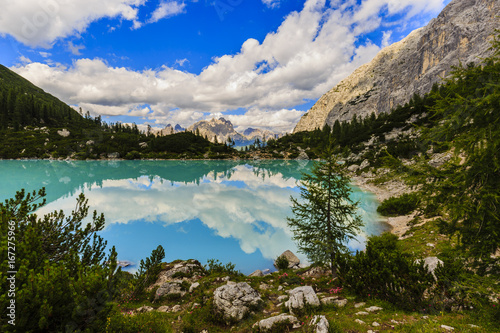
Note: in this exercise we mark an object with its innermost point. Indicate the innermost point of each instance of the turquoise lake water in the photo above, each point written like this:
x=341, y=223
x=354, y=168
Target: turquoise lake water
x=234, y=211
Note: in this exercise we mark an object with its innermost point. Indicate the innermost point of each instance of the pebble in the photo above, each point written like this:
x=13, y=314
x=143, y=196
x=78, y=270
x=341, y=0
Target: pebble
x=448, y=328
x=361, y=313
x=373, y=309
x=375, y=324
x=359, y=321
x=358, y=305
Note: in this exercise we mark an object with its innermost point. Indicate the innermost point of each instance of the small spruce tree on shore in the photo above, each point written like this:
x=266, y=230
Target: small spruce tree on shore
x=325, y=217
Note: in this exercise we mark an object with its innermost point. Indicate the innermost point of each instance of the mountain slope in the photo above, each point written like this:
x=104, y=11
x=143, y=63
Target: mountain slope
x=461, y=33
x=22, y=104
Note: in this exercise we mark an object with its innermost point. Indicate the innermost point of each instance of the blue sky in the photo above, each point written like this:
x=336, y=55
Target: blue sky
x=259, y=63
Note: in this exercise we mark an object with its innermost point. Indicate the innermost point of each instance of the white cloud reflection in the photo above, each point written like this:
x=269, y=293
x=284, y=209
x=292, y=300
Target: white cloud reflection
x=242, y=205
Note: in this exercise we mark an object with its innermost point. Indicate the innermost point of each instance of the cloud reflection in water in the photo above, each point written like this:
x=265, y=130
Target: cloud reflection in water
x=247, y=204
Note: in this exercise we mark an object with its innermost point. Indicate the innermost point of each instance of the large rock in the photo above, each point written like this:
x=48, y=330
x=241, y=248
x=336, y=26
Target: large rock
x=432, y=263
x=300, y=297
x=189, y=270
x=234, y=300
x=320, y=324
x=293, y=261
x=169, y=288
x=461, y=33
x=266, y=324
x=257, y=273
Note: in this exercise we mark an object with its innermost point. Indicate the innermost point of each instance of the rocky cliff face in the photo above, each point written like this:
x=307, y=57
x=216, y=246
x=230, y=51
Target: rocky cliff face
x=461, y=33
x=221, y=129
x=169, y=129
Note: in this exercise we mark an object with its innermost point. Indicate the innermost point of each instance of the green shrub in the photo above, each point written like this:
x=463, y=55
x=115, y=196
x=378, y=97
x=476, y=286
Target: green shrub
x=142, y=322
x=133, y=155
x=281, y=263
x=383, y=271
x=180, y=275
x=64, y=281
x=214, y=266
x=402, y=205
x=148, y=271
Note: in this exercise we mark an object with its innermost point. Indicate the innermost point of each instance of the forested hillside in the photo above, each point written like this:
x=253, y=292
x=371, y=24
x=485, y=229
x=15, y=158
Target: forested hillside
x=35, y=124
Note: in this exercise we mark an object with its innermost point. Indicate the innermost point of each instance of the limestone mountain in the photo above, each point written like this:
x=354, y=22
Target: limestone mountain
x=460, y=34
x=223, y=130
x=215, y=129
x=262, y=135
x=169, y=129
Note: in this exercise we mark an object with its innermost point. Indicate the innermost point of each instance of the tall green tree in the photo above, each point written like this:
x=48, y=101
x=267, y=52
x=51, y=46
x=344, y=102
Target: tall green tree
x=469, y=186
x=325, y=217
x=57, y=275
x=148, y=271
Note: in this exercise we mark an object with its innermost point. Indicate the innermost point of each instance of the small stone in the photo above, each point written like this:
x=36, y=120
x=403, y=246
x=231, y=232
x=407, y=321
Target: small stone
x=359, y=321
x=194, y=286
x=268, y=323
x=375, y=324
x=176, y=308
x=329, y=300
x=430, y=244
x=448, y=328
x=473, y=326
x=358, y=305
x=282, y=298
x=280, y=288
x=361, y=313
x=163, y=308
x=373, y=309
x=144, y=309
x=340, y=302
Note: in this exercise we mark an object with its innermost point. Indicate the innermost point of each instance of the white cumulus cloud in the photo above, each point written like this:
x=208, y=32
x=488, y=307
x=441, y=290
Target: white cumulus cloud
x=271, y=3
x=307, y=55
x=40, y=23
x=167, y=9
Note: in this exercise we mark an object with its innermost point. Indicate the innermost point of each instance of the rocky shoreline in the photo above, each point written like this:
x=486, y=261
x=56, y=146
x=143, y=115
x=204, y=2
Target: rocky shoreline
x=384, y=191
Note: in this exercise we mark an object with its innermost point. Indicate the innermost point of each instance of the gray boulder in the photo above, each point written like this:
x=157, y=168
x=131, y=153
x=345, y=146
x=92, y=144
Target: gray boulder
x=320, y=324
x=293, y=261
x=189, y=270
x=267, y=324
x=169, y=288
x=257, y=273
x=234, y=300
x=300, y=297
x=64, y=133
x=432, y=263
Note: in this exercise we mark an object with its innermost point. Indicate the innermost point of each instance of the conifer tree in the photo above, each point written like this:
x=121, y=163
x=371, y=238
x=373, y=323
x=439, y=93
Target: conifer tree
x=325, y=217
x=468, y=187
x=63, y=280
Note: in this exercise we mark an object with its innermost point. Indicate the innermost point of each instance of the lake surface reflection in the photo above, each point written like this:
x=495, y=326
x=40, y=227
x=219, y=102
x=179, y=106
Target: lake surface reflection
x=234, y=211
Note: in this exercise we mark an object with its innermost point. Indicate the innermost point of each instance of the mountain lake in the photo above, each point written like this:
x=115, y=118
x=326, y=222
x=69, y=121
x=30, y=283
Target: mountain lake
x=233, y=211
